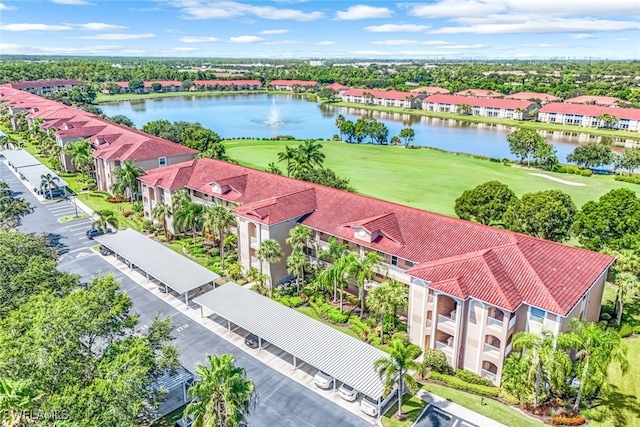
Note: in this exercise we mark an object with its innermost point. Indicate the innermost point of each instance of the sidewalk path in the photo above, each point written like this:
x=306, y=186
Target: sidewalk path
x=457, y=410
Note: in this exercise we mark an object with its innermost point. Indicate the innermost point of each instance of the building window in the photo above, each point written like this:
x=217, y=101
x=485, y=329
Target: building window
x=409, y=263
x=162, y=161
x=394, y=260
x=117, y=163
x=537, y=315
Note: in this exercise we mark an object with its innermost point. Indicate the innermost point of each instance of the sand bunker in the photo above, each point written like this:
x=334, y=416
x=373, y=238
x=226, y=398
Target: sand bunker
x=562, y=181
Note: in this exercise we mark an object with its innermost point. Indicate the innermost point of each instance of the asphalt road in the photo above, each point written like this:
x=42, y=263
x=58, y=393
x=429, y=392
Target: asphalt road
x=281, y=401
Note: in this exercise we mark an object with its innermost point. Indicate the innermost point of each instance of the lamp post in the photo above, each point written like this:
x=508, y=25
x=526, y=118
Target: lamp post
x=75, y=205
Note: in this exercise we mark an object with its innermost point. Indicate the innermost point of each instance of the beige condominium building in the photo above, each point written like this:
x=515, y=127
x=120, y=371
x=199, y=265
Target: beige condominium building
x=470, y=286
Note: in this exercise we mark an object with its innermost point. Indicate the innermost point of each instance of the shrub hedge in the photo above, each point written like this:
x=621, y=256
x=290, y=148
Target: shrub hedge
x=460, y=384
x=472, y=378
x=633, y=179
x=568, y=420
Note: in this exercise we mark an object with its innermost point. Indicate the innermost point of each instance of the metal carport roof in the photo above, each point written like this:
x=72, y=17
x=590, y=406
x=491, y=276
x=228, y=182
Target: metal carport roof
x=343, y=357
x=34, y=173
x=170, y=268
x=20, y=158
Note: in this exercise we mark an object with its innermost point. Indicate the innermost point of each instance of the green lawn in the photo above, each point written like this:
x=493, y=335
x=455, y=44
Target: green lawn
x=488, y=407
x=98, y=202
x=423, y=178
x=312, y=313
x=134, y=96
x=411, y=407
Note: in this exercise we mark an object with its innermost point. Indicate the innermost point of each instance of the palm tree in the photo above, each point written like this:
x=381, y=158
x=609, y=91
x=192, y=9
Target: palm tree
x=363, y=271
x=534, y=350
x=339, y=121
x=189, y=217
x=81, y=155
x=224, y=397
x=270, y=252
x=106, y=217
x=160, y=212
x=597, y=348
x=395, y=370
x=128, y=174
x=398, y=297
x=333, y=251
x=179, y=199
x=464, y=109
x=309, y=153
x=627, y=284
x=296, y=264
x=218, y=219
x=17, y=398
x=48, y=182
x=299, y=237
x=289, y=154
x=379, y=304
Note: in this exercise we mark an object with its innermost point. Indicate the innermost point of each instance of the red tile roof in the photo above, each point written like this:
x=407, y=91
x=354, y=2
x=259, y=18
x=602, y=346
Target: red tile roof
x=477, y=102
x=483, y=93
x=44, y=83
x=337, y=86
x=380, y=94
x=116, y=142
x=591, y=110
x=292, y=83
x=528, y=96
x=228, y=82
x=430, y=90
x=591, y=99
x=461, y=258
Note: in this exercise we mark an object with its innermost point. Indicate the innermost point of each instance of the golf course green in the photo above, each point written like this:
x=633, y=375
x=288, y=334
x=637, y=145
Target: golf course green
x=424, y=178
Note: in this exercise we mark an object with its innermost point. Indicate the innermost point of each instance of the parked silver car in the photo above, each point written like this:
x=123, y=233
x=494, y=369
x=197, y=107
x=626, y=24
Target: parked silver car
x=347, y=392
x=323, y=380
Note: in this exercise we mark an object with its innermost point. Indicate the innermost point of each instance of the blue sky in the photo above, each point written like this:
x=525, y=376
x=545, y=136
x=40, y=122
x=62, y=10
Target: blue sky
x=483, y=29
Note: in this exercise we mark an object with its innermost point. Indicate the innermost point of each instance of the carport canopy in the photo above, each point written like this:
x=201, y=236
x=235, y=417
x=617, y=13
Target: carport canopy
x=34, y=174
x=20, y=158
x=345, y=358
x=171, y=269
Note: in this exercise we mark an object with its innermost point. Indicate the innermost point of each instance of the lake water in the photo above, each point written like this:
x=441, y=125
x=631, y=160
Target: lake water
x=266, y=116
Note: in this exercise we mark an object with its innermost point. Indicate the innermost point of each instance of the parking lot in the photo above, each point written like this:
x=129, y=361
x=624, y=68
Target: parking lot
x=436, y=417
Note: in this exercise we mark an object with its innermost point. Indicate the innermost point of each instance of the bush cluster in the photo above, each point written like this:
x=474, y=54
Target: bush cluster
x=508, y=398
x=627, y=330
x=291, y=301
x=436, y=361
x=472, y=378
x=326, y=311
x=359, y=327
x=568, y=420
x=460, y=384
x=633, y=179
x=572, y=170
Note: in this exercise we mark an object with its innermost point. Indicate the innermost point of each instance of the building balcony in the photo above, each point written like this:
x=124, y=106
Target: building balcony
x=428, y=323
x=430, y=299
x=322, y=244
x=200, y=201
x=254, y=242
x=255, y=262
x=512, y=322
x=508, y=350
x=491, y=350
x=495, y=323
x=444, y=347
x=489, y=375
x=394, y=272
x=446, y=323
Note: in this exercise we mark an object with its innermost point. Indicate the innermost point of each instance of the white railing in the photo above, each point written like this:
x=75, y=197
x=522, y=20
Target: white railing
x=394, y=272
x=508, y=350
x=430, y=299
x=512, y=322
x=488, y=374
x=322, y=244
x=445, y=320
x=496, y=323
x=488, y=348
x=444, y=347
x=255, y=262
x=200, y=201
x=428, y=323
x=254, y=241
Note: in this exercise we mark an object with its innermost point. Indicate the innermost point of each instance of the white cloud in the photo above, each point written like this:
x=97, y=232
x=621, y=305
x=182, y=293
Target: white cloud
x=283, y=42
x=325, y=43
x=184, y=49
x=396, y=28
x=622, y=39
x=543, y=25
x=99, y=26
x=399, y=54
x=72, y=2
x=198, y=39
x=203, y=9
x=404, y=42
x=541, y=45
x=581, y=36
x=462, y=46
x=34, y=27
x=116, y=36
x=480, y=8
x=5, y=7
x=267, y=32
x=59, y=50
x=362, y=11
x=246, y=39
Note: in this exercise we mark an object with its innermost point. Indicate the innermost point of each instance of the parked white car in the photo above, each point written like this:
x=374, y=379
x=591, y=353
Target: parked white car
x=323, y=380
x=369, y=406
x=347, y=392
